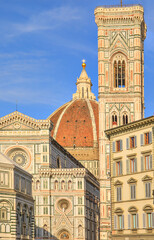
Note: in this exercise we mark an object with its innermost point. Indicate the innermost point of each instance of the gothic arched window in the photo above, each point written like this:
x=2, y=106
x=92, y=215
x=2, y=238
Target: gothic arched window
x=56, y=185
x=3, y=213
x=80, y=231
x=114, y=120
x=119, y=74
x=125, y=119
x=69, y=184
x=63, y=185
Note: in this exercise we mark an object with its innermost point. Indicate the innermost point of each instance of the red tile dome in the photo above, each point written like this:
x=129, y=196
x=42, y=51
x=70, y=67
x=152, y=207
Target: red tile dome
x=76, y=123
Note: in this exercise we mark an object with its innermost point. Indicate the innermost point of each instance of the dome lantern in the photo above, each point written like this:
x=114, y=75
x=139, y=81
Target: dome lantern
x=83, y=85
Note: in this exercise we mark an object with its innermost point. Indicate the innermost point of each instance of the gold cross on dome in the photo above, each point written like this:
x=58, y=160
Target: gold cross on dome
x=83, y=60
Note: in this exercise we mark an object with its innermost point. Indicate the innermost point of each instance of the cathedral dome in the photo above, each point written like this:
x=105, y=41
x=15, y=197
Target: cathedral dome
x=76, y=124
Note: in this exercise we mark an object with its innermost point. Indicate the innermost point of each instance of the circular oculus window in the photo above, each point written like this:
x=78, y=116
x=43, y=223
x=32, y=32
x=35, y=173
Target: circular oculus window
x=19, y=157
x=63, y=205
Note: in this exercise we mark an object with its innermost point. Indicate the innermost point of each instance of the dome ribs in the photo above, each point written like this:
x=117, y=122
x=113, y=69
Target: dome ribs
x=55, y=117
x=74, y=128
x=95, y=110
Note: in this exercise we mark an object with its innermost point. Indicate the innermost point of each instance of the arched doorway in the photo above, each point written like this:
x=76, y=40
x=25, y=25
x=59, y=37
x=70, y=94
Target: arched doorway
x=64, y=235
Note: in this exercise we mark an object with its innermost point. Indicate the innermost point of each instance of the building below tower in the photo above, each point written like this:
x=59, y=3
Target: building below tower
x=132, y=180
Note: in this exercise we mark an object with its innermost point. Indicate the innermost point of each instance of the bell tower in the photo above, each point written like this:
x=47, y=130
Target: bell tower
x=121, y=35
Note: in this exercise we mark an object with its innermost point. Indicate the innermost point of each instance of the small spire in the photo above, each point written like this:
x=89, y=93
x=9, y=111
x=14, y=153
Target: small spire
x=83, y=85
x=121, y=3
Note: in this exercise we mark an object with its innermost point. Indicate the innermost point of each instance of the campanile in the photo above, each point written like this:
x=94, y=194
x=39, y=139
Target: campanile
x=121, y=35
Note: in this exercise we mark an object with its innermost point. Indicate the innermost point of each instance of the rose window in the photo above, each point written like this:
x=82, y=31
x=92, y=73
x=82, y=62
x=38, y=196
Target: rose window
x=63, y=205
x=19, y=156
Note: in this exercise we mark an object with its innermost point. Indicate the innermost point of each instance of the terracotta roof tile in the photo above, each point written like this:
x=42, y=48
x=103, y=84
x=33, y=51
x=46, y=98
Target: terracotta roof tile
x=76, y=125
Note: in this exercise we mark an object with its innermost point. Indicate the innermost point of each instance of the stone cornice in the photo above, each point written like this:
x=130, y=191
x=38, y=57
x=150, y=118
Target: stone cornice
x=74, y=172
x=112, y=21
x=130, y=126
x=24, y=119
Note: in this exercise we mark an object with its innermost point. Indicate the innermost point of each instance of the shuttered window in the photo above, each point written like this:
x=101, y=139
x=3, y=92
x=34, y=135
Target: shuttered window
x=118, y=146
x=127, y=143
x=153, y=220
x=146, y=138
x=141, y=139
x=119, y=222
x=133, y=165
x=150, y=137
x=129, y=221
x=148, y=220
x=148, y=162
x=133, y=191
x=118, y=194
x=115, y=222
x=148, y=189
x=119, y=168
x=142, y=164
x=135, y=223
x=144, y=220
x=135, y=141
x=132, y=142
x=113, y=146
x=127, y=166
x=123, y=222
x=121, y=147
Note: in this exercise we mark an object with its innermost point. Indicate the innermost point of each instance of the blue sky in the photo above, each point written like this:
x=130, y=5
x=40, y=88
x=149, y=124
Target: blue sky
x=42, y=43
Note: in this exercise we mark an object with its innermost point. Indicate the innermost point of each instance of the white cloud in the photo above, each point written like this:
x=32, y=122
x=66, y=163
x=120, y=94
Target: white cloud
x=48, y=20
x=31, y=96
